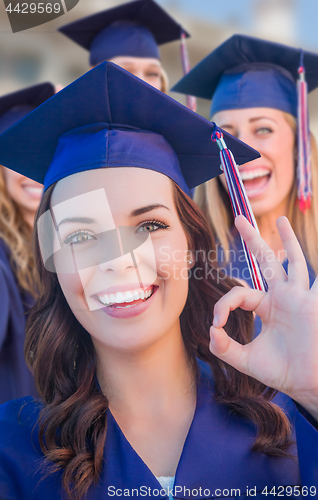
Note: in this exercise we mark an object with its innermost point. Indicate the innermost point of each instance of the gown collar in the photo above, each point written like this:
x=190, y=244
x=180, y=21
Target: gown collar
x=216, y=440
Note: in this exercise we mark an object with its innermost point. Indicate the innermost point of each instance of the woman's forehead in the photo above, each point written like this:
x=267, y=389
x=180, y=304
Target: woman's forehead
x=144, y=61
x=249, y=113
x=122, y=187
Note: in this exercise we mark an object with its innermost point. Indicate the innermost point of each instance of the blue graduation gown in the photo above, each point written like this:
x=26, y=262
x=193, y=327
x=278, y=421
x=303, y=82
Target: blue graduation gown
x=16, y=379
x=216, y=457
x=237, y=268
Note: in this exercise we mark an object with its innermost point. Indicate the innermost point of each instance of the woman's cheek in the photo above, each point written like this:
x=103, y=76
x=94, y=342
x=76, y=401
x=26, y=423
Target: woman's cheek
x=146, y=261
x=13, y=183
x=73, y=290
x=163, y=256
x=172, y=262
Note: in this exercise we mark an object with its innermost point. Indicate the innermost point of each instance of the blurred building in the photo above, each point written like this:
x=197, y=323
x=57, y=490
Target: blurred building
x=276, y=20
x=41, y=53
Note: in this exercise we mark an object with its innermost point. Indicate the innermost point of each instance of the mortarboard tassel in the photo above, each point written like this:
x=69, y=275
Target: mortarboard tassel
x=240, y=204
x=304, y=189
x=191, y=101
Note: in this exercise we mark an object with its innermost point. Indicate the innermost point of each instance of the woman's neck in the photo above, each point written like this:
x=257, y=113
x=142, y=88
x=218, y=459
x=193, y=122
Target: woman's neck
x=141, y=382
x=152, y=397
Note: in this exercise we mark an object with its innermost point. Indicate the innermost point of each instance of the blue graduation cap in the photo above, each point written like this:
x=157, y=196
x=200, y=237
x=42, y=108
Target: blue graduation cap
x=18, y=104
x=132, y=29
x=246, y=72
x=98, y=122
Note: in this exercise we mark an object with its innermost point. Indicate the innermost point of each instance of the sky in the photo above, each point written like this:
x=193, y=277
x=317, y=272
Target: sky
x=306, y=12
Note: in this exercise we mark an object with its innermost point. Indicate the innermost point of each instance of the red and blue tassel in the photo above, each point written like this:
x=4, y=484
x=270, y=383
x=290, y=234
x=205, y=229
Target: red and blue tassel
x=304, y=187
x=240, y=204
x=191, y=100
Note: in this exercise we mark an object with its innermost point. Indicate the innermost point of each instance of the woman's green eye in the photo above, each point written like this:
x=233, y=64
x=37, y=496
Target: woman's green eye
x=148, y=227
x=264, y=130
x=81, y=238
x=151, y=226
x=78, y=237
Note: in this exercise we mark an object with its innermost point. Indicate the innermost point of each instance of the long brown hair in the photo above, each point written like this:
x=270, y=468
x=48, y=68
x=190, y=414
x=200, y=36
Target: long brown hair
x=213, y=198
x=73, y=421
x=17, y=235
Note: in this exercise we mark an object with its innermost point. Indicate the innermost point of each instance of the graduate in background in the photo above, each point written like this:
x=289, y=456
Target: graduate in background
x=19, y=200
x=126, y=302
x=129, y=35
x=256, y=97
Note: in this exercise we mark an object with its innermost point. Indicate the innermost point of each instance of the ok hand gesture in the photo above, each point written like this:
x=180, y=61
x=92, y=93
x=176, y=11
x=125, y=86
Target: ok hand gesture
x=285, y=354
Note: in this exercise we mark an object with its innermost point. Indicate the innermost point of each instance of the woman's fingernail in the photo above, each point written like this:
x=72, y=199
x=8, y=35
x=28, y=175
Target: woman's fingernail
x=215, y=320
x=212, y=339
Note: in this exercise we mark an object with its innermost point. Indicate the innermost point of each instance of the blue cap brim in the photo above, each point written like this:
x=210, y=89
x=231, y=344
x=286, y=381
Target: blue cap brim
x=203, y=80
x=16, y=105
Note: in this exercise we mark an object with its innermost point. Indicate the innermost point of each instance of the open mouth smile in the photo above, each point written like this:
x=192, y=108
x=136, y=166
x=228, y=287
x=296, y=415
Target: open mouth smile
x=127, y=299
x=33, y=191
x=128, y=302
x=255, y=180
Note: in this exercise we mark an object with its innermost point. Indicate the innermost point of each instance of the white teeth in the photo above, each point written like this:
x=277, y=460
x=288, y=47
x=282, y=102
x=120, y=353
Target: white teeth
x=129, y=297
x=106, y=299
x=248, y=175
x=35, y=190
x=123, y=298
x=120, y=298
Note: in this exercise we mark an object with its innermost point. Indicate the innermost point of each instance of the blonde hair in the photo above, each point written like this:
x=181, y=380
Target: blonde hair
x=16, y=234
x=215, y=203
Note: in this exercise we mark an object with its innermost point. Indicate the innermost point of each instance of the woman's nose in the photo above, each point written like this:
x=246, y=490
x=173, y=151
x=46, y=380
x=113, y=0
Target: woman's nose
x=119, y=265
x=247, y=137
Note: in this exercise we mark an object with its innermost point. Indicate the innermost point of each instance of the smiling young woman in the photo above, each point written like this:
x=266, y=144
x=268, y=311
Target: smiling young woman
x=254, y=97
x=128, y=35
x=135, y=392
x=270, y=182
x=19, y=200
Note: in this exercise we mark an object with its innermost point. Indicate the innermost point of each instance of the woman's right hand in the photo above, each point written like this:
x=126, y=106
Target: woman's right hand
x=285, y=354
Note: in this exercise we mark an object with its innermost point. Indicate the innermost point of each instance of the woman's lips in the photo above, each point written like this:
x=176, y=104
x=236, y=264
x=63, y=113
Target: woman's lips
x=255, y=181
x=127, y=303
x=33, y=191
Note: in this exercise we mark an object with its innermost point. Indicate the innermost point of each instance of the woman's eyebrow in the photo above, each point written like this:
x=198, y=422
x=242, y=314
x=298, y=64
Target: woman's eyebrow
x=84, y=220
x=148, y=208
x=261, y=118
x=226, y=125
